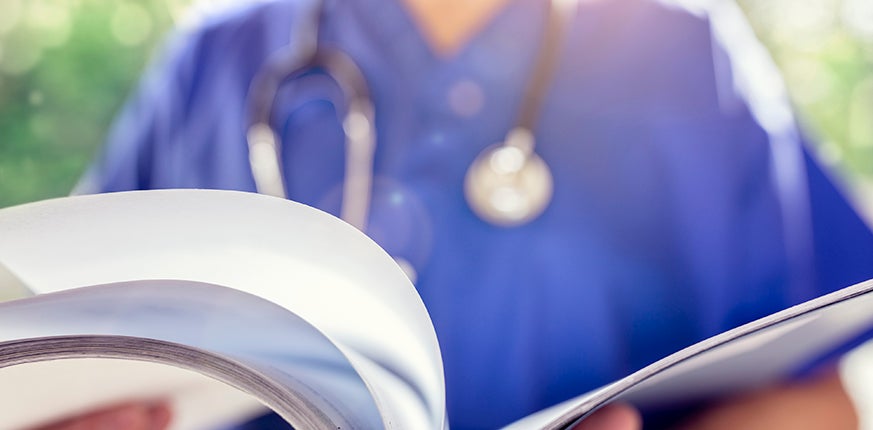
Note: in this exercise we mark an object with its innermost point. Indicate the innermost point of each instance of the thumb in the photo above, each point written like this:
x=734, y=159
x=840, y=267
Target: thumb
x=133, y=416
x=617, y=416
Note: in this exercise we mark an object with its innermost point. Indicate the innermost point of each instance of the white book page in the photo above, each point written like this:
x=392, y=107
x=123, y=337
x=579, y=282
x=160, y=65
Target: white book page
x=311, y=263
x=221, y=332
x=49, y=391
x=752, y=355
x=11, y=287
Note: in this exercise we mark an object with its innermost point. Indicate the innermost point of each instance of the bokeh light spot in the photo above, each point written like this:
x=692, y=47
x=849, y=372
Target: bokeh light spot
x=131, y=24
x=20, y=54
x=858, y=17
x=35, y=98
x=50, y=22
x=861, y=115
x=466, y=98
x=813, y=80
x=10, y=14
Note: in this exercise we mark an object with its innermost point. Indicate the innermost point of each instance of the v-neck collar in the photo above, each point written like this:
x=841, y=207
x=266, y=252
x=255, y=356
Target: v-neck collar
x=397, y=31
x=447, y=26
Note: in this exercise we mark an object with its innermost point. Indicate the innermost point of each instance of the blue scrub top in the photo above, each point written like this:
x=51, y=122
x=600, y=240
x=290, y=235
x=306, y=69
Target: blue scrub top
x=684, y=204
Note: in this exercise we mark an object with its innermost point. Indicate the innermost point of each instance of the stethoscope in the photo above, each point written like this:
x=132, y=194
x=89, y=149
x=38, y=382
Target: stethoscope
x=508, y=184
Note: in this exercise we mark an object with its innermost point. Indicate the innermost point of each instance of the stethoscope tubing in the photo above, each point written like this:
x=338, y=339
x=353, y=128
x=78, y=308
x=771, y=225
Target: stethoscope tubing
x=529, y=184
x=358, y=125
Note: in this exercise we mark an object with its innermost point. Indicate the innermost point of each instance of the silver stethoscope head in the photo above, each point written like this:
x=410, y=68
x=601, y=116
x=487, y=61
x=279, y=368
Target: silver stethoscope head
x=508, y=184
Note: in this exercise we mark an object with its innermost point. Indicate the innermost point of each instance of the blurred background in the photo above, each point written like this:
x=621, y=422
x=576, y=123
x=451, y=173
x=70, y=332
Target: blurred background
x=66, y=66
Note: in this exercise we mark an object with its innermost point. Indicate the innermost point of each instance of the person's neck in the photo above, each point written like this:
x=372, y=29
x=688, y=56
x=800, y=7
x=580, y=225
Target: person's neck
x=449, y=24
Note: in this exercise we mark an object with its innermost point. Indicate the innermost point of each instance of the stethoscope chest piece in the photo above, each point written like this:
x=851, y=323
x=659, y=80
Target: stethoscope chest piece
x=508, y=184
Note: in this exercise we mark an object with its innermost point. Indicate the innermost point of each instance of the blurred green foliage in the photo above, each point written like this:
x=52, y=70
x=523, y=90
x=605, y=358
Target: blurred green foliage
x=66, y=67
x=61, y=81
x=825, y=51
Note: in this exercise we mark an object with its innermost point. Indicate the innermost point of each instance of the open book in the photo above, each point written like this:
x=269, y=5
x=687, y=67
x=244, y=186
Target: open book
x=230, y=303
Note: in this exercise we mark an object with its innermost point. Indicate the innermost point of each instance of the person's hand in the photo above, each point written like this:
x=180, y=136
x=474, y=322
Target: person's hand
x=612, y=417
x=131, y=416
x=817, y=404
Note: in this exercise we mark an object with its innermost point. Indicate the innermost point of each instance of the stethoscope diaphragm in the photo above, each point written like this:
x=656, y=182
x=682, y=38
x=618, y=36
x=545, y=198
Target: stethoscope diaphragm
x=508, y=184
